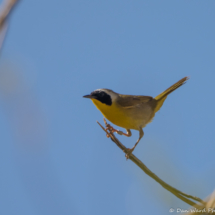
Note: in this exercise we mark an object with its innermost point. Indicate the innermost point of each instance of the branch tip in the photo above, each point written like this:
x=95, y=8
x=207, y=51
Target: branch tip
x=183, y=196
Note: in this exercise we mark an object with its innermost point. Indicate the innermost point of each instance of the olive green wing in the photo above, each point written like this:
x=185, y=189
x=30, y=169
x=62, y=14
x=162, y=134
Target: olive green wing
x=128, y=101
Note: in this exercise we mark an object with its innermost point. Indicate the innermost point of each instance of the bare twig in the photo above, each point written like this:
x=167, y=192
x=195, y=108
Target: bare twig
x=209, y=208
x=183, y=196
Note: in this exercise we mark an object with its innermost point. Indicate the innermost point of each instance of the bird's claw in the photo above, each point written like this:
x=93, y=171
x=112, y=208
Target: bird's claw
x=110, y=129
x=108, y=135
x=128, y=152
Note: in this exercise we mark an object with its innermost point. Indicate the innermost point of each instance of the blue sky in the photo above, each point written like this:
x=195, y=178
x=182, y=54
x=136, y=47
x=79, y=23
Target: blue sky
x=54, y=158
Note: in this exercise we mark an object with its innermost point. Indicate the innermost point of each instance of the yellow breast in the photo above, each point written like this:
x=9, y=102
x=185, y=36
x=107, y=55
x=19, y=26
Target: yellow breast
x=116, y=115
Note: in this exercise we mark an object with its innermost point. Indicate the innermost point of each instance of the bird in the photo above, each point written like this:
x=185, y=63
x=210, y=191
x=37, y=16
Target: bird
x=130, y=111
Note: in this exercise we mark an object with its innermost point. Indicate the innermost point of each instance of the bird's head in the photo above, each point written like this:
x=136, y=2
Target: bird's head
x=104, y=96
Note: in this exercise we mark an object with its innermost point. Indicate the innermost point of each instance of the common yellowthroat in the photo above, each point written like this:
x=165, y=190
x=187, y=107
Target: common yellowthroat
x=128, y=111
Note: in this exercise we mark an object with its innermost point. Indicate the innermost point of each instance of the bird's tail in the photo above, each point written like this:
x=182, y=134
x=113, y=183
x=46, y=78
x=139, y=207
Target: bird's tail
x=161, y=97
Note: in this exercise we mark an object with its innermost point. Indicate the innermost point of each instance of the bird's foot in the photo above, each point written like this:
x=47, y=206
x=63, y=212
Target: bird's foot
x=128, y=152
x=111, y=129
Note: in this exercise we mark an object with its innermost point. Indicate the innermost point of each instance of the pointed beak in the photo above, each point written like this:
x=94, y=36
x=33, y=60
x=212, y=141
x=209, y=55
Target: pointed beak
x=88, y=96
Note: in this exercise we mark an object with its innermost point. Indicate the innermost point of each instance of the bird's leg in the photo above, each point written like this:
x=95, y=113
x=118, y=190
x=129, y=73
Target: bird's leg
x=127, y=134
x=129, y=151
x=110, y=128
